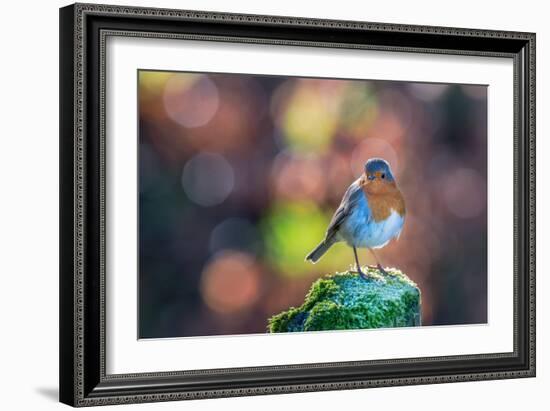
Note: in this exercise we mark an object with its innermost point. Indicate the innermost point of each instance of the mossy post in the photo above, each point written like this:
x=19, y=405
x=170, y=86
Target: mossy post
x=345, y=301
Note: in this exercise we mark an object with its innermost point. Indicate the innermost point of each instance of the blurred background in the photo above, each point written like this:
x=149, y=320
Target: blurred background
x=240, y=175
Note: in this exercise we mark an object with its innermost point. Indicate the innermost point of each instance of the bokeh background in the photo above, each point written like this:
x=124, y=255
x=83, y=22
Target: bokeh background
x=239, y=176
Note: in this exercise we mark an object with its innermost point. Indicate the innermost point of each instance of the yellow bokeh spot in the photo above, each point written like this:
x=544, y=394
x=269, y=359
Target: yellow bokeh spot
x=309, y=121
x=153, y=83
x=359, y=110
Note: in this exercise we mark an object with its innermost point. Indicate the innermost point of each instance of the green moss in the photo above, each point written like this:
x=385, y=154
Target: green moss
x=344, y=301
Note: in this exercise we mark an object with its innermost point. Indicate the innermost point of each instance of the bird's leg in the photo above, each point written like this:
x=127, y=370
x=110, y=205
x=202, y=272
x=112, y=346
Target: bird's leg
x=378, y=265
x=358, y=265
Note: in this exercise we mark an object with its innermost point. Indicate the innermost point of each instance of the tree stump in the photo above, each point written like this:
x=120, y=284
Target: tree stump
x=345, y=301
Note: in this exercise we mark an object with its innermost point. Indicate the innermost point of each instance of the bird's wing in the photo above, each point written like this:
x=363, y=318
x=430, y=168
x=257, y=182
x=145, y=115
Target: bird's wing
x=350, y=200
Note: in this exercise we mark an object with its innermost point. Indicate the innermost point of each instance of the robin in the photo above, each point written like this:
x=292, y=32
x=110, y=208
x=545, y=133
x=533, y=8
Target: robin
x=371, y=214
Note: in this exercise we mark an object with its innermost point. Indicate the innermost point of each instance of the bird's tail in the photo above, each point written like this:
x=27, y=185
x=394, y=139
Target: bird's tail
x=320, y=250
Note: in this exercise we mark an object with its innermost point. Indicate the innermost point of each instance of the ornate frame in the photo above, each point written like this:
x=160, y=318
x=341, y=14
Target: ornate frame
x=83, y=31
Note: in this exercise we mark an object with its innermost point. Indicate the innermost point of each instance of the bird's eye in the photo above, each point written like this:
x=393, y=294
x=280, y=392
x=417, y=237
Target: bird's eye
x=383, y=175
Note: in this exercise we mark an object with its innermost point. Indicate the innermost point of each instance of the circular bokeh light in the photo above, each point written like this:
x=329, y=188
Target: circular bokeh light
x=208, y=179
x=191, y=101
x=465, y=193
x=230, y=282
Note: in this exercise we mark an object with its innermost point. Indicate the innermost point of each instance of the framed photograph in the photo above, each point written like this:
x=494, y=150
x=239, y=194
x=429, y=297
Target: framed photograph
x=260, y=204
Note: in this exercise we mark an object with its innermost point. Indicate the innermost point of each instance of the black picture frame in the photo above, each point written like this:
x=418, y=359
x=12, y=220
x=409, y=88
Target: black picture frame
x=83, y=29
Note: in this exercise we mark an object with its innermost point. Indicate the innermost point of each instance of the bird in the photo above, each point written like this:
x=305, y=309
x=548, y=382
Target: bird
x=370, y=215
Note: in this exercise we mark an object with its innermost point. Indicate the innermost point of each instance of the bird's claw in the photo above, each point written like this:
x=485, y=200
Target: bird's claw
x=378, y=267
x=361, y=274
x=373, y=267
x=381, y=269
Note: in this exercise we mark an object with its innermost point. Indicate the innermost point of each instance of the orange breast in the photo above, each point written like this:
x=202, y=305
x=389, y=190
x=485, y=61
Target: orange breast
x=382, y=203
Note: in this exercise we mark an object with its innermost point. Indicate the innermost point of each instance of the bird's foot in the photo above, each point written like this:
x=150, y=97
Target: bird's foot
x=381, y=269
x=378, y=267
x=361, y=273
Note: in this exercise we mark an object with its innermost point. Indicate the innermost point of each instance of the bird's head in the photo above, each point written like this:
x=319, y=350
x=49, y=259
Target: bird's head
x=378, y=177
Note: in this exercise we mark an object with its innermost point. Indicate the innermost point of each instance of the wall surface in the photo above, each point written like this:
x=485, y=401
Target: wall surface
x=29, y=206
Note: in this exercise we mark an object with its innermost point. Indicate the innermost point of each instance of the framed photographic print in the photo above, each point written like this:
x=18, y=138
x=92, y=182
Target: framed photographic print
x=260, y=204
